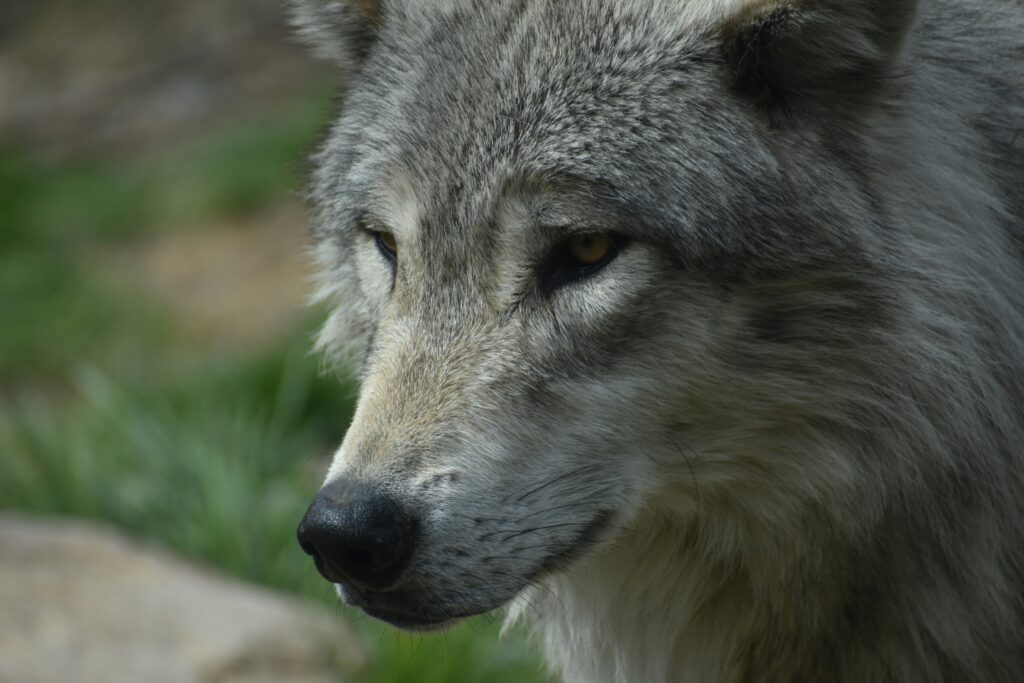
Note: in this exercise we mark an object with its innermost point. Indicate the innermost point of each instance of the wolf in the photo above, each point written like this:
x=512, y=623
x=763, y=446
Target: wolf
x=690, y=330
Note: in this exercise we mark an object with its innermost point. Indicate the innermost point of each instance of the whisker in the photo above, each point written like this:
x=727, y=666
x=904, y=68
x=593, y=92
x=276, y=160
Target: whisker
x=547, y=527
x=552, y=482
x=693, y=474
x=565, y=506
x=514, y=533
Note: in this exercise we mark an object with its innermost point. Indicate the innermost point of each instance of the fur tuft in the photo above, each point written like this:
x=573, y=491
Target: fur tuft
x=341, y=31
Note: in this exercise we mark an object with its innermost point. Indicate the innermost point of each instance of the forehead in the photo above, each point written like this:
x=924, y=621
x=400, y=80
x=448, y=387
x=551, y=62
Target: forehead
x=465, y=102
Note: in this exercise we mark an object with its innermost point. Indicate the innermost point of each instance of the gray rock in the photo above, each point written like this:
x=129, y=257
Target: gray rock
x=81, y=604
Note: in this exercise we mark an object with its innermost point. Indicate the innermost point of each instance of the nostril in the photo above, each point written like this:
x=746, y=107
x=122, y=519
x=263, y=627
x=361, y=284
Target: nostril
x=309, y=536
x=357, y=563
x=307, y=547
x=364, y=562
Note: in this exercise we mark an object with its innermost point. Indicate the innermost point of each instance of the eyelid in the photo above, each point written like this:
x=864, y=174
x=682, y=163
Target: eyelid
x=372, y=229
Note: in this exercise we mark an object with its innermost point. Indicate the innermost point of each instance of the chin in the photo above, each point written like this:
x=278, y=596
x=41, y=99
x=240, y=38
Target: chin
x=405, y=614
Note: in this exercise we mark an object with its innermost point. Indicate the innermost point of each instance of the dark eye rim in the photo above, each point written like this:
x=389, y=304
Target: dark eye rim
x=387, y=252
x=561, y=269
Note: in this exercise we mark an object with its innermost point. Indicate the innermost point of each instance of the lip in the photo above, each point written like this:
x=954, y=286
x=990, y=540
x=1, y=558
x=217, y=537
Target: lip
x=406, y=620
x=415, y=623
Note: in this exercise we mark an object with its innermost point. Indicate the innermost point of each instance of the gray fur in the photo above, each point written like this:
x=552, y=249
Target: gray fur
x=780, y=437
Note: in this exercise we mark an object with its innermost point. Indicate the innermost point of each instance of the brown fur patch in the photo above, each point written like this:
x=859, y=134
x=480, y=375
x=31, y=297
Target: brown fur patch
x=369, y=9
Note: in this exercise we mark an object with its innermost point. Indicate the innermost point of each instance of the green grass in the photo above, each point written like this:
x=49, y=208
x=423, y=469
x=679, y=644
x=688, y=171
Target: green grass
x=213, y=468
x=58, y=315
x=236, y=169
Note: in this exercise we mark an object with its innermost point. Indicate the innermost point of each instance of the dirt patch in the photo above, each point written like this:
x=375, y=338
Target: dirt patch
x=236, y=284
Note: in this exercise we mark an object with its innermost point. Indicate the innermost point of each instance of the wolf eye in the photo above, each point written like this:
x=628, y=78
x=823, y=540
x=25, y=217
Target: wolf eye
x=577, y=258
x=590, y=250
x=387, y=245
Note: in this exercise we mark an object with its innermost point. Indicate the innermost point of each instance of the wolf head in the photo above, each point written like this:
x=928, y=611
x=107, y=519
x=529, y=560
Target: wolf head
x=599, y=260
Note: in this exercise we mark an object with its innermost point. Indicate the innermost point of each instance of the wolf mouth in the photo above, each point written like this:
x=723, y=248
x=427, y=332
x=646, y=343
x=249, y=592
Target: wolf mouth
x=411, y=617
x=584, y=541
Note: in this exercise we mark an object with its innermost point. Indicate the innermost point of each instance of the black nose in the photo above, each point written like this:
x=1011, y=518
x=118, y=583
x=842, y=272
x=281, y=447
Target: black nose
x=357, y=535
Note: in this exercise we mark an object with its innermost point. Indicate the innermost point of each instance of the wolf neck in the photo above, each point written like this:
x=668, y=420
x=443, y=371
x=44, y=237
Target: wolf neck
x=650, y=610
x=682, y=603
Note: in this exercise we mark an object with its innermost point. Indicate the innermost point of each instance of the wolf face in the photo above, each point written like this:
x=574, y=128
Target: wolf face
x=630, y=265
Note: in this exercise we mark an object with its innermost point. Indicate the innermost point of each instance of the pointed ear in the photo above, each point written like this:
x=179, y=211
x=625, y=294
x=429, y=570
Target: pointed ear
x=788, y=54
x=339, y=30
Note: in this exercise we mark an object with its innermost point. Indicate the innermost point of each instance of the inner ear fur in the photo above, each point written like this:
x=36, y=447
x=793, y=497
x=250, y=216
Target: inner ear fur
x=341, y=31
x=789, y=54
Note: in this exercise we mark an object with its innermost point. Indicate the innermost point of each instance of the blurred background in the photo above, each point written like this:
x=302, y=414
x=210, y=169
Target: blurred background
x=155, y=374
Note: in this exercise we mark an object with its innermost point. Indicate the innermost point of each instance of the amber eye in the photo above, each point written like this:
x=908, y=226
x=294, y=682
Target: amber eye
x=387, y=245
x=590, y=250
x=578, y=258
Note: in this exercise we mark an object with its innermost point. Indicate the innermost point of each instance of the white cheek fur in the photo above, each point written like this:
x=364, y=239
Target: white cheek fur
x=376, y=275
